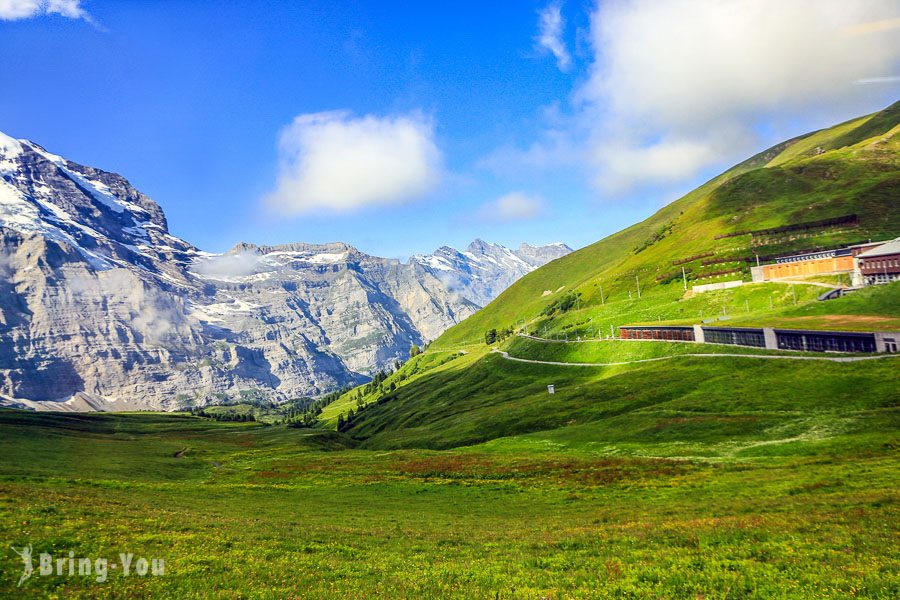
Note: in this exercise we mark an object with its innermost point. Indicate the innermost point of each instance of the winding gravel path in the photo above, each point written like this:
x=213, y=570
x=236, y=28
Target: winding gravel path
x=839, y=359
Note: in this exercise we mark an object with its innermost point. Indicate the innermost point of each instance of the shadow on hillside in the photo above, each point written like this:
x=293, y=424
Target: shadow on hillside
x=686, y=400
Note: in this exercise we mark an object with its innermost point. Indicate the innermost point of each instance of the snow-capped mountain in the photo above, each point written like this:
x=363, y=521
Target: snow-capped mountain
x=101, y=308
x=484, y=270
x=97, y=214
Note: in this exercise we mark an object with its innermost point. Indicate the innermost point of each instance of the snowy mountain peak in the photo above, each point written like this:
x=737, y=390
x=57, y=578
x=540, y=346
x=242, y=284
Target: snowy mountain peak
x=479, y=245
x=97, y=214
x=10, y=148
x=484, y=269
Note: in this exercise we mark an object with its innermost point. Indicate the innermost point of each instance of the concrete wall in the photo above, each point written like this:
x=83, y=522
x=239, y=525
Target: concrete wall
x=722, y=285
x=887, y=341
x=771, y=338
x=698, y=334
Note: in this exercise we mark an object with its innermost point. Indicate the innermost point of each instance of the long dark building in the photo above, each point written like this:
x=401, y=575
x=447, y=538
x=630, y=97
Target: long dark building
x=769, y=338
x=679, y=334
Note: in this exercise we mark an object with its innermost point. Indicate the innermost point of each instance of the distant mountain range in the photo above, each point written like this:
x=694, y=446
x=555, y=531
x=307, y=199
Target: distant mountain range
x=484, y=270
x=101, y=308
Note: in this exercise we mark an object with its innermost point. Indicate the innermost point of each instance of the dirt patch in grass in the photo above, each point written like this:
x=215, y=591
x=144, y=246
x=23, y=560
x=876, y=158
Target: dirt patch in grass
x=563, y=471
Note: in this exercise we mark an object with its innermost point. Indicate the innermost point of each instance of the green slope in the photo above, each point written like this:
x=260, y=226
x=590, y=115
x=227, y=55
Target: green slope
x=444, y=399
x=678, y=400
x=852, y=168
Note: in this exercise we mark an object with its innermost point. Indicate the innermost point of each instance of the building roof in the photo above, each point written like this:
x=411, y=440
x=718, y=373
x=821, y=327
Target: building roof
x=892, y=247
x=869, y=243
x=813, y=255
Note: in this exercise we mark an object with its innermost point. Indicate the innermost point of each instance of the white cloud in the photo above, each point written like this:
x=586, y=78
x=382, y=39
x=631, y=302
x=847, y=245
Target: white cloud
x=683, y=62
x=334, y=163
x=665, y=161
x=11, y=10
x=236, y=264
x=550, y=35
x=515, y=206
x=669, y=77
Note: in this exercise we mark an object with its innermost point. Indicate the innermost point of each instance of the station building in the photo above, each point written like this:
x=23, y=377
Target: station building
x=868, y=264
x=827, y=262
x=880, y=264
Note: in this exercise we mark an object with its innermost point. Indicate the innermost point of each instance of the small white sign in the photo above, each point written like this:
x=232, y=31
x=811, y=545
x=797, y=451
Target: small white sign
x=551, y=389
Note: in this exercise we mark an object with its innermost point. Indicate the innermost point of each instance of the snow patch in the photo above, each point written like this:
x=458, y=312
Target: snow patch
x=218, y=311
x=9, y=149
x=15, y=210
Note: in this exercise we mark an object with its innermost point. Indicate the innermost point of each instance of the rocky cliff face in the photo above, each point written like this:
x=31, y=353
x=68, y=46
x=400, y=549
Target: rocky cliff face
x=101, y=308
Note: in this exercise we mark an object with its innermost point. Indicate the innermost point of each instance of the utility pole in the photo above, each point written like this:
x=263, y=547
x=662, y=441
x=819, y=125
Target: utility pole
x=638, y=281
x=602, y=301
x=611, y=332
x=684, y=277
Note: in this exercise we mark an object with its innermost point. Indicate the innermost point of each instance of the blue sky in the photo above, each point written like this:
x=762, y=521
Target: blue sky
x=402, y=126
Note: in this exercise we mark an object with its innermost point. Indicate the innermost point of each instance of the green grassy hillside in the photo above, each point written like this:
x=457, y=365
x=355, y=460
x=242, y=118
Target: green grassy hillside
x=753, y=500
x=493, y=397
x=850, y=169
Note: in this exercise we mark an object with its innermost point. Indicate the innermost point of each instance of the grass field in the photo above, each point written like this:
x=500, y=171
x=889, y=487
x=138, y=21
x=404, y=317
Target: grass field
x=273, y=512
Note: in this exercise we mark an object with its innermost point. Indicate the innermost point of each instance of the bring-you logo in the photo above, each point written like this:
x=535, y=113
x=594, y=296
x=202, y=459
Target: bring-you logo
x=49, y=565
